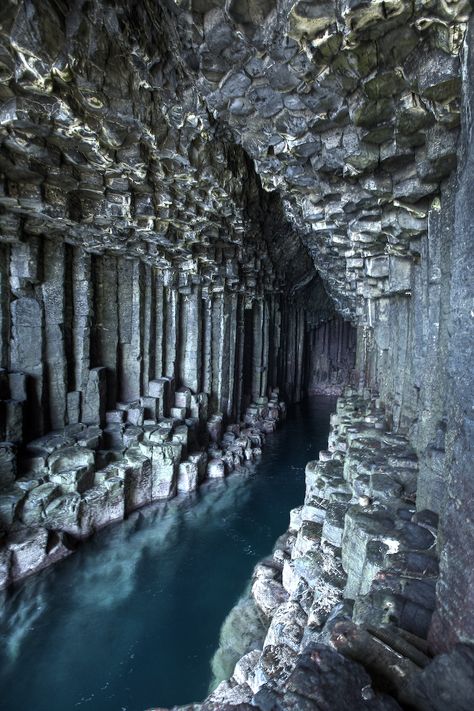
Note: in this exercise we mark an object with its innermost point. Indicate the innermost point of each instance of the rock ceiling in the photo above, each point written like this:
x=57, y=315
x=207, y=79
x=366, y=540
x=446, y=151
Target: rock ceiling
x=137, y=128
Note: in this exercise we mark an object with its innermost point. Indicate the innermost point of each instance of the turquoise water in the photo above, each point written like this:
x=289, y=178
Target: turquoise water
x=132, y=619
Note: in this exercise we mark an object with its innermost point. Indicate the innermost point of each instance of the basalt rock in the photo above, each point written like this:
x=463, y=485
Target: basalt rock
x=208, y=209
x=360, y=590
x=69, y=489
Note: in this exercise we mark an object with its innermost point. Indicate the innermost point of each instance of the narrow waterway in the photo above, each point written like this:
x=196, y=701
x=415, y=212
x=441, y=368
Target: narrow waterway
x=132, y=619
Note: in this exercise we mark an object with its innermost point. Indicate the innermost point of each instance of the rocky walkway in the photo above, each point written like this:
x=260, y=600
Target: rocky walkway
x=64, y=486
x=348, y=594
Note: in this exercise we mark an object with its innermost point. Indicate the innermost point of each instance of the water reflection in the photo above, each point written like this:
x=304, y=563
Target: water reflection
x=104, y=570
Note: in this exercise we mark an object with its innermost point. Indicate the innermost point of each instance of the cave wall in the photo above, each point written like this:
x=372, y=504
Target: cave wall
x=353, y=112
x=70, y=315
x=123, y=383
x=417, y=352
x=134, y=236
x=151, y=318
x=331, y=351
x=453, y=619
x=185, y=183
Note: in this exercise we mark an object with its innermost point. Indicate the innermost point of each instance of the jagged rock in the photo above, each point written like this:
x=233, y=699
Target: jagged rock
x=187, y=477
x=447, y=681
x=137, y=481
x=245, y=668
x=258, y=194
x=324, y=679
x=241, y=633
x=216, y=469
x=268, y=595
x=286, y=626
x=28, y=551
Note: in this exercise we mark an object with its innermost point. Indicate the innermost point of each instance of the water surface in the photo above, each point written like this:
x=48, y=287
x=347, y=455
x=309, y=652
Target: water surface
x=132, y=619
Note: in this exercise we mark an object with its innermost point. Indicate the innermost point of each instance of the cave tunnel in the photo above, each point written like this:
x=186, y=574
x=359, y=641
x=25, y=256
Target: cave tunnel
x=214, y=213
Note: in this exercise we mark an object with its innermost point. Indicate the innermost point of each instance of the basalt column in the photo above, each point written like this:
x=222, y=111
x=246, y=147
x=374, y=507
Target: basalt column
x=330, y=353
x=86, y=332
x=190, y=338
x=208, y=208
x=117, y=380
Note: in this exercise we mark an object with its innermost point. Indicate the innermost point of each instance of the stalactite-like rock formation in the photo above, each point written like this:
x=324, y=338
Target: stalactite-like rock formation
x=210, y=207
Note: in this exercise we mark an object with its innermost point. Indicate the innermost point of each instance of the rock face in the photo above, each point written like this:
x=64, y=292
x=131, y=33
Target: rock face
x=74, y=481
x=348, y=595
x=209, y=208
x=153, y=294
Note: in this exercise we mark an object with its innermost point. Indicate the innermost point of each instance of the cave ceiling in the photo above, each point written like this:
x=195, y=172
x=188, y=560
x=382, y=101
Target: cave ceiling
x=238, y=144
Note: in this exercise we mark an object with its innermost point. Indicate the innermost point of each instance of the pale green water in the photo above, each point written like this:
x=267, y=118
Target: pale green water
x=132, y=619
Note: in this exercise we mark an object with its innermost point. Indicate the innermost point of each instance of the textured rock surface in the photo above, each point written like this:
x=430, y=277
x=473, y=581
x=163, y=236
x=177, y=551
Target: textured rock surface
x=82, y=478
x=152, y=292
x=356, y=597
x=204, y=201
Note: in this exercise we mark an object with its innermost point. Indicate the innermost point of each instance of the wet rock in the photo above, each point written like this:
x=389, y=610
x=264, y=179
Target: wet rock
x=245, y=668
x=286, y=626
x=447, y=680
x=268, y=595
x=28, y=551
x=184, y=230
x=241, y=633
x=100, y=505
x=216, y=469
x=187, y=477
x=63, y=514
x=324, y=679
x=7, y=465
x=137, y=481
x=37, y=501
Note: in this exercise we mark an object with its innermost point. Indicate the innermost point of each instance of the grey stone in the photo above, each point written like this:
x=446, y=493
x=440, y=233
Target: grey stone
x=283, y=200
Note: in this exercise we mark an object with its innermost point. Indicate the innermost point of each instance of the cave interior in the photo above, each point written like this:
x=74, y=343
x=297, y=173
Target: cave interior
x=210, y=210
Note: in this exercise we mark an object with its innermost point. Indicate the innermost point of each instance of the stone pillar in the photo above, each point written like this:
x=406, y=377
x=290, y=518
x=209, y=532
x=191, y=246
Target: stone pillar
x=104, y=343
x=228, y=355
x=130, y=299
x=274, y=341
x=290, y=369
x=207, y=344
x=189, y=373
x=265, y=347
x=282, y=355
x=148, y=328
x=239, y=359
x=53, y=291
x=27, y=328
x=258, y=343
x=26, y=355
x=171, y=331
x=82, y=306
x=4, y=304
x=217, y=351
x=159, y=322
x=299, y=348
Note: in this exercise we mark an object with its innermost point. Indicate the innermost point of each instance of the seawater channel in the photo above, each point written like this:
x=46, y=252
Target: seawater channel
x=132, y=619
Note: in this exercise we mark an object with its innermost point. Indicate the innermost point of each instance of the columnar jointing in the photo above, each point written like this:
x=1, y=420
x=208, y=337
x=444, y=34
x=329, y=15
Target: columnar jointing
x=146, y=307
x=82, y=332
x=120, y=387
x=210, y=207
x=76, y=312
